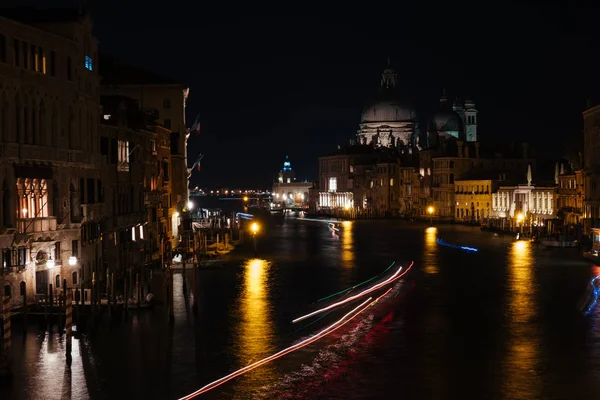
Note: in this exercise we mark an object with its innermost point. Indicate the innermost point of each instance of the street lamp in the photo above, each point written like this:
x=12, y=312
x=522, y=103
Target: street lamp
x=430, y=211
x=520, y=221
x=72, y=261
x=254, y=228
x=190, y=205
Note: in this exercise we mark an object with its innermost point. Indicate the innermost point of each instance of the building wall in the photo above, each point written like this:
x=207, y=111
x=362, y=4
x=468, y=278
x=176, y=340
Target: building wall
x=49, y=115
x=591, y=162
x=473, y=200
x=170, y=102
x=570, y=197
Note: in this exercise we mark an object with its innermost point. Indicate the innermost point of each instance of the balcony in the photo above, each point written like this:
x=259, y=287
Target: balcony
x=32, y=225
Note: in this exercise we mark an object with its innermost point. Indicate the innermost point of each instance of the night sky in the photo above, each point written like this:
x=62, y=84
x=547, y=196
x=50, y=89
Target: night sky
x=292, y=80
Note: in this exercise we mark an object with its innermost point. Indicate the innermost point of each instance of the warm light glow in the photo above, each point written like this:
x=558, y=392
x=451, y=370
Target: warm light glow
x=50, y=263
x=255, y=328
x=72, y=261
x=430, y=256
x=254, y=227
x=176, y=214
x=519, y=217
x=430, y=210
x=347, y=245
x=245, y=198
x=347, y=206
x=190, y=205
x=522, y=355
x=24, y=211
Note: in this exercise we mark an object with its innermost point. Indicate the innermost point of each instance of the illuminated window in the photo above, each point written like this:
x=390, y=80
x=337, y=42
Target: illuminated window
x=391, y=181
x=88, y=63
x=123, y=154
x=332, y=184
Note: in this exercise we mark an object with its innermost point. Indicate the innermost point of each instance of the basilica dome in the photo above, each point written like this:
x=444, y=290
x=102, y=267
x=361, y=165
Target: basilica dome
x=387, y=106
x=388, y=110
x=446, y=121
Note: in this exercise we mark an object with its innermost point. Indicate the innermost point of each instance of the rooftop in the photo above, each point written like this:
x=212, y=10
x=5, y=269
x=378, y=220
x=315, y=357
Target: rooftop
x=117, y=72
x=29, y=15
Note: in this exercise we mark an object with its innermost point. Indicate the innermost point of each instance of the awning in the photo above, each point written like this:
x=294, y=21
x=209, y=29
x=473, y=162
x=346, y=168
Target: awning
x=33, y=171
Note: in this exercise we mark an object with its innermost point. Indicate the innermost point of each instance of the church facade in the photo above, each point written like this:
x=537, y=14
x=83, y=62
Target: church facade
x=394, y=167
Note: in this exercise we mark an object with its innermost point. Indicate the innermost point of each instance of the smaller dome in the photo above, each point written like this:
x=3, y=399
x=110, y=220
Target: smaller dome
x=445, y=121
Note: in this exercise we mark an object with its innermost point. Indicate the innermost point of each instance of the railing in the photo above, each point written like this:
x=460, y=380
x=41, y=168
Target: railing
x=31, y=225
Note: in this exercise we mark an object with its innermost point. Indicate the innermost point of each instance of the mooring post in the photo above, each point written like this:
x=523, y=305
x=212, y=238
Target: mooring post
x=68, y=322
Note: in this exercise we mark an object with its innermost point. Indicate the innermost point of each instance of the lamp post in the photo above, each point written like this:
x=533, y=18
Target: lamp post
x=520, y=221
x=254, y=228
x=430, y=211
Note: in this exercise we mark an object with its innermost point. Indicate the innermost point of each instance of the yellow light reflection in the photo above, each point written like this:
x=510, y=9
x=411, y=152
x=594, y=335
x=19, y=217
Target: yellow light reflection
x=347, y=245
x=522, y=356
x=255, y=339
x=430, y=256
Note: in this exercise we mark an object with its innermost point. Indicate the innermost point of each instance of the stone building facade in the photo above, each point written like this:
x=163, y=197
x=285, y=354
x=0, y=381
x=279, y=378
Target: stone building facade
x=49, y=113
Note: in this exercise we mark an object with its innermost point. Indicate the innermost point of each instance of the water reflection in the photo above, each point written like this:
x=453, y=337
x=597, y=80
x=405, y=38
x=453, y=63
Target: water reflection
x=430, y=253
x=348, y=245
x=52, y=370
x=523, y=349
x=255, y=333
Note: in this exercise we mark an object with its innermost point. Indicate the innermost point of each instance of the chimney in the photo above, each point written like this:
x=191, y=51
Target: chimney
x=459, y=145
x=525, y=147
x=476, y=149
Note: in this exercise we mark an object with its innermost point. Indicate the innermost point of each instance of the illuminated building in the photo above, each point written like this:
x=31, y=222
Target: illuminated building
x=570, y=196
x=287, y=192
x=165, y=99
x=591, y=168
x=50, y=187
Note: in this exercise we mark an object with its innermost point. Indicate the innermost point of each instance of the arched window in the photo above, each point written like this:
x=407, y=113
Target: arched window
x=74, y=278
x=7, y=290
x=451, y=178
x=57, y=280
x=451, y=164
x=22, y=288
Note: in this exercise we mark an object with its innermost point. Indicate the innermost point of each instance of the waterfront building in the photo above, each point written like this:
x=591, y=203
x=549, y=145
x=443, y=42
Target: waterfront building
x=525, y=206
x=591, y=168
x=570, y=195
x=49, y=149
x=166, y=100
x=287, y=192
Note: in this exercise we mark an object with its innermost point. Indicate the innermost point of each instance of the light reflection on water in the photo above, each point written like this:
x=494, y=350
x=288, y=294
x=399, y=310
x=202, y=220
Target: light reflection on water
x=347, y=255
x=255, y=335
x=522, y=358
x=430, y=258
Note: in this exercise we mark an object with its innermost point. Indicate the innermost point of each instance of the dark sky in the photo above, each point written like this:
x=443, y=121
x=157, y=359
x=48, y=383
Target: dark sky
x=292, y=80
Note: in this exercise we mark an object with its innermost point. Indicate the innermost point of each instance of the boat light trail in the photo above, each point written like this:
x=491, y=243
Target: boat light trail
x=596, y=292
x=440, y=241
x=329, y=221
x=355, y=286
x=330, y=329
x=389, y=280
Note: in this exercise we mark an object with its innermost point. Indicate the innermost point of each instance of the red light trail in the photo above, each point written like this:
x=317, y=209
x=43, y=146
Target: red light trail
x=330, y=329
x=389, y=280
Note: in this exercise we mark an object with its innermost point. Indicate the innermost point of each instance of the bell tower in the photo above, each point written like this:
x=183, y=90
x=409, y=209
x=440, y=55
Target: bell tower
x=470, y=121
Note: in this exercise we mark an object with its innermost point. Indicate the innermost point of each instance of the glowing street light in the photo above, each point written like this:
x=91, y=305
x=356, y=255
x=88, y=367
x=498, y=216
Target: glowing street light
x=254, y=229
x=72, y=261
x=190, y=205
x=50, y=263
x=430, y=211
x=246, y=198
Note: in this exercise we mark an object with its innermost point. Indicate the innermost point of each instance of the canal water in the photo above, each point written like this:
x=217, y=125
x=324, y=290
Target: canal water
x=505, y=322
